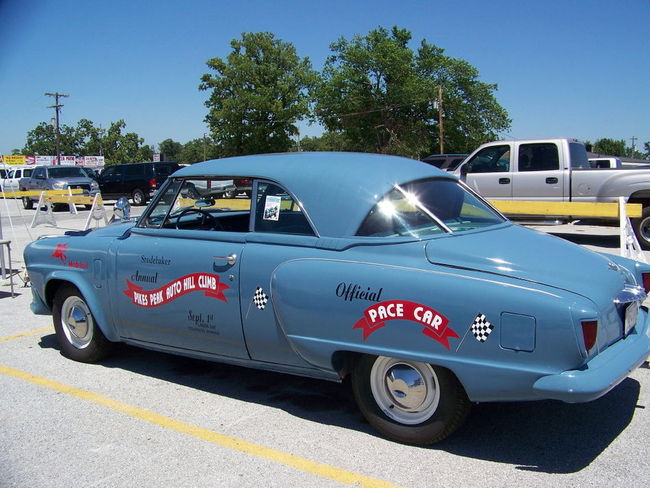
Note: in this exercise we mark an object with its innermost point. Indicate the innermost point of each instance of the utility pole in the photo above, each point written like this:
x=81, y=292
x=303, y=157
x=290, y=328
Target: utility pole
x=441, y=130
x=633, y=145
x=57, y=107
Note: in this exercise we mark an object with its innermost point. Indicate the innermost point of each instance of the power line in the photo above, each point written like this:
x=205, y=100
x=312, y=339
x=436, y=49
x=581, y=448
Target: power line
x=57, y=107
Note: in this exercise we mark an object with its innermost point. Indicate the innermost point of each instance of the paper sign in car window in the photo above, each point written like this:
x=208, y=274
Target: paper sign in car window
x=272, y=208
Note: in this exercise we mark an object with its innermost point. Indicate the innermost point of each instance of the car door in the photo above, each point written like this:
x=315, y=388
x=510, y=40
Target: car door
x=539, y=175
x=281, y=233
x=177, y=280
x=489, y=172
x=110, y=181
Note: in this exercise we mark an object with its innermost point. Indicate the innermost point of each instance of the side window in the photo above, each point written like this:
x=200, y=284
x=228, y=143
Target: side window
x=39, y=173
x=277, y=212
x=493, y=159
x=538, y=157
x=134, y=170
x=200, y=204
x=108, y=172
x=27, y=173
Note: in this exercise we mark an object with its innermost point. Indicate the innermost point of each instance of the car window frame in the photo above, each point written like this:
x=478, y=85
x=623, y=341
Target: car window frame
x=141, y=222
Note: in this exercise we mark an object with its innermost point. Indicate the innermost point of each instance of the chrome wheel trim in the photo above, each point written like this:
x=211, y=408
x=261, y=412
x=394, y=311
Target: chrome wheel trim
x=408, y=392
x=77, y=322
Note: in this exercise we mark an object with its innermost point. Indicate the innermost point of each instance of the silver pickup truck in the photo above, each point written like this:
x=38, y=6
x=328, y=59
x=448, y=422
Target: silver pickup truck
x=554, y=170
x=56, y=178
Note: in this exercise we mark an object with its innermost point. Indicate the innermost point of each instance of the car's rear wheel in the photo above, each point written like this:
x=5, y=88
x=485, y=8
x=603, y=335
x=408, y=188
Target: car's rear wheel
x=76, y=330
x=138, y=197
x=28, y=204
x=409, y=401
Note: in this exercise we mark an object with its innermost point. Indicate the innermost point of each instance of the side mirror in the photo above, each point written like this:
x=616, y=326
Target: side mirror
x=121, y=210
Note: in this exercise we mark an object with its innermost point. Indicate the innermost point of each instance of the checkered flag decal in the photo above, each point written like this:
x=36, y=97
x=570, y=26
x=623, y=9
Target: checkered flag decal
x=260, y=298
x=481, y=328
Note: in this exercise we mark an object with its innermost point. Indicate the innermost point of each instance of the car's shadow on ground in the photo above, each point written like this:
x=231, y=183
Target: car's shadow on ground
x=544, y=436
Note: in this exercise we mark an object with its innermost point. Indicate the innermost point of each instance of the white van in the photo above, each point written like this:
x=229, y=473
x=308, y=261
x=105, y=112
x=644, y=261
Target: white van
x=12, y=175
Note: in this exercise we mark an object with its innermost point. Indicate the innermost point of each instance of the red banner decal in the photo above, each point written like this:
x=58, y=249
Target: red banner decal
x=435, y=324
x=208, y=283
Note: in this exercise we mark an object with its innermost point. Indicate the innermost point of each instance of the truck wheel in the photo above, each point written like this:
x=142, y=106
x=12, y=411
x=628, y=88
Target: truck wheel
x=409, y=401
x=138, y=197
x=76, y=330
x=641, y=228
x=28, y=204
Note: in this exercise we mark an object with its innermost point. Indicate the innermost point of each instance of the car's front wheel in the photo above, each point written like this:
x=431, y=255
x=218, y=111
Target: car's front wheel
x=409, y=401
x=28, y=204
x=76, y=330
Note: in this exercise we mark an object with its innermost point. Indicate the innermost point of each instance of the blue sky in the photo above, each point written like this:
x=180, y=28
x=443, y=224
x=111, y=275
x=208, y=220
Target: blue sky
x=572, y=68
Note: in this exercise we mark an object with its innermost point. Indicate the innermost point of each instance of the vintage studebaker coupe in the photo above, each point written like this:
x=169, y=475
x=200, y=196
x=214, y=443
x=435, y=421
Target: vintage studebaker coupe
x=377, y=267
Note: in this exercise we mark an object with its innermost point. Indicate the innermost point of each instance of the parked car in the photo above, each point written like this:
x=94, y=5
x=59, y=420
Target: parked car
x=398, y=276
x=56, y=178
x=11, y=177
x=554, y=170
x=446, y=162
x=138, y=181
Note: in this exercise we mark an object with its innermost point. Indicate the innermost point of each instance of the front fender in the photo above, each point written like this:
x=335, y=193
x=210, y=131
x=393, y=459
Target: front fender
x=58, y=278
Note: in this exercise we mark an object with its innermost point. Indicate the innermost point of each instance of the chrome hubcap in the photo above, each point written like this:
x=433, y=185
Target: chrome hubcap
x=77, y=322
x=406, y=391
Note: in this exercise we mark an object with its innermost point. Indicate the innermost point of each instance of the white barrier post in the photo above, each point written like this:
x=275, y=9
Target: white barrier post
x=72, y=206
x=630, y=247
x=49, y=216
x=97, y=212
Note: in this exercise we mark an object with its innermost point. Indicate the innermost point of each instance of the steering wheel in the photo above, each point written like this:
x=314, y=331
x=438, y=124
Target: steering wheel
x=206, y=217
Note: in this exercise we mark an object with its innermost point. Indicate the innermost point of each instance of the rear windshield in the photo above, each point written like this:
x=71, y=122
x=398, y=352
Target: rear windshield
x=428, y=207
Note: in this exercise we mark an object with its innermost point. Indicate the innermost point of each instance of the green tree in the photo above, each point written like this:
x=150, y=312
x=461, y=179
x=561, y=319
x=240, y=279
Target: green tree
x=170, y=149
x=382, y=96
x=329, y=141
x=258, y=94
x=198, y=150
x=609, y=147
x=124, y=148
x=42, y=140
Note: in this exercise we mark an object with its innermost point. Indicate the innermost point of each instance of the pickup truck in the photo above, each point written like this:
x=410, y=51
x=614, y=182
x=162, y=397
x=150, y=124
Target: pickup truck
x=554, y=170
x=56, y=178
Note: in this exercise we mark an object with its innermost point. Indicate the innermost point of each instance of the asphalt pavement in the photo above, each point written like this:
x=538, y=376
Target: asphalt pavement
x=149, y=419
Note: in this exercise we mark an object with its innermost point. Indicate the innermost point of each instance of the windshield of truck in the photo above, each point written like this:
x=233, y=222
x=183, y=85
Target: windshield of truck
x=578, y=154
x=65, y=172
x=428, y=207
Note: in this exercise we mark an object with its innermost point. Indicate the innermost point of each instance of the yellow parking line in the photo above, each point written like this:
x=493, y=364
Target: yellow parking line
x=286, y=459
x=24, y=334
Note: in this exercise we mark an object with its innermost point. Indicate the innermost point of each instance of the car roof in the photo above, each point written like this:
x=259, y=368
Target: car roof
x=336, y=189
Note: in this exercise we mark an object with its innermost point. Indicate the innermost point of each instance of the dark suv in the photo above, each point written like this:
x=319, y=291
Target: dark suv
x=136, y=180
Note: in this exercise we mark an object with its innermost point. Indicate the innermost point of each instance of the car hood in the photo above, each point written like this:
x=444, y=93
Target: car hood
x=77, y=180
x=525, y=254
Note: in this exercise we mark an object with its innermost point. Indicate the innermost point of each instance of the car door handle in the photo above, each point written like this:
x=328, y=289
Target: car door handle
x=230, y=259
x=504, y=181
x=551, y=181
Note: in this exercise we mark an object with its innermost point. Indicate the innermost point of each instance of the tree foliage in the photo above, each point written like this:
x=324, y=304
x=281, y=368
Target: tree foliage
x=87, y=140
x=257, y=95
x=609, y=147
x=381, y=95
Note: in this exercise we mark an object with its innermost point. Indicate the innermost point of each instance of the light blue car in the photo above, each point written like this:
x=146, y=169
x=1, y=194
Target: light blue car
x=379, y=268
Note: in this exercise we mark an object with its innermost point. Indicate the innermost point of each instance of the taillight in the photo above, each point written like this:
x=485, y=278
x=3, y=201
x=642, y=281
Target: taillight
x=589, y=333
x=153, y=183
x=646, y=282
